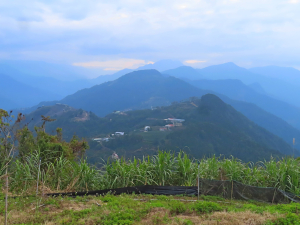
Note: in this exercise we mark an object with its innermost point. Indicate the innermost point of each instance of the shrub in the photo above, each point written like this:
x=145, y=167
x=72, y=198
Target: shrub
x=177, y=207
x=289, y=219
x=206, y=207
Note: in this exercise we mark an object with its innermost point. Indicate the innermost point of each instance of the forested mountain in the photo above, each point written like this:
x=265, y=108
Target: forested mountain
x=73, y=121
x=14, y=94
x=236, y=90
x=64, y=80
x=146, y=88
x=267, y=120
x=210, y=127
x=136, y=90
x=143, y=89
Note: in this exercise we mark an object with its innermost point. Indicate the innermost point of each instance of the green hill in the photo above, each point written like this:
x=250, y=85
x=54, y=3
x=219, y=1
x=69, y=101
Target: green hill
x=211, y=127
x=136, y=90
x=73, y=121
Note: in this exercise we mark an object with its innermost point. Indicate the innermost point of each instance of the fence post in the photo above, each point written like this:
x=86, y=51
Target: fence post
x=6, y=195
x=231, y=188
x=37, y=181
x=198, y=182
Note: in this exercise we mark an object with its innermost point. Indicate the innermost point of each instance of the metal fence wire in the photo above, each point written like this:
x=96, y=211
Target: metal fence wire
x=236, y=190
x=223, y=188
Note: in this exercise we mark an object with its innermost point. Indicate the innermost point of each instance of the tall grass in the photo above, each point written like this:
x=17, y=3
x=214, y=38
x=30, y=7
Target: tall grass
x=165, y=168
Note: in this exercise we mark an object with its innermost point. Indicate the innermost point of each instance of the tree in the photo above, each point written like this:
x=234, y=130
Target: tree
x=49, y=147
x=7, y=145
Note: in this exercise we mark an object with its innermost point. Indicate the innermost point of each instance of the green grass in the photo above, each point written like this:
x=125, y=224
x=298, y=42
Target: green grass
x=143, y=209
x=165, y=168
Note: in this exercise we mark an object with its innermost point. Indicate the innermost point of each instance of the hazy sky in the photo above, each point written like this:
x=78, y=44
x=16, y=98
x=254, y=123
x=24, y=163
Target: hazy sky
x=114, y=34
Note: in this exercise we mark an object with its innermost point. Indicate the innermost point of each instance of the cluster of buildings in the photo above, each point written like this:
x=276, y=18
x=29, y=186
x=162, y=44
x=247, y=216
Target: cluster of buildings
x=174, y=123
x=106, y=139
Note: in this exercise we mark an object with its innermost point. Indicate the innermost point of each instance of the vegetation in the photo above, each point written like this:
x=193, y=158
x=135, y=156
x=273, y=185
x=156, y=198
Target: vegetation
x=211, y=127
x=63, y=169
x=147, y=209
x=63, y=174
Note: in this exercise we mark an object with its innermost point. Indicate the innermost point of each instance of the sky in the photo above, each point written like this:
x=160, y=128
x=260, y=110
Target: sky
x=115, y=34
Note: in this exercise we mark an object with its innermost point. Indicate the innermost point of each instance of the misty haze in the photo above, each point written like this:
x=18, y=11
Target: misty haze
x=166, y=112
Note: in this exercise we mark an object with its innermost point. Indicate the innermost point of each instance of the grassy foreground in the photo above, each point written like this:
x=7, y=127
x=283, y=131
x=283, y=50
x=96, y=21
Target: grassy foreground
x=165, y=168
x=146, y=209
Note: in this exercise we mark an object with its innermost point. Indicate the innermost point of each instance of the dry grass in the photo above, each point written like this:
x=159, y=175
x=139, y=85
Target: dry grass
x=48, y=210
x=233, y=218
x=162, y=216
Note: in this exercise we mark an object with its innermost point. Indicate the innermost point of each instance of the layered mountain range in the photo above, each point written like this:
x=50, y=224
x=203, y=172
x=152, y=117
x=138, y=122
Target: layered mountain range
x=251, y=92
x=210, y=127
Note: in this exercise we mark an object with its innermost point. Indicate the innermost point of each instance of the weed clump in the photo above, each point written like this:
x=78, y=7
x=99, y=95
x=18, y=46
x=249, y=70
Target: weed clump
x=206, y=207
x=177, y=207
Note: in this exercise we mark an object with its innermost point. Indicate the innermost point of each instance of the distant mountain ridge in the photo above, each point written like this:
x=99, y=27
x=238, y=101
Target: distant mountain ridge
x=184, y=72
x=14, y=94
x=146, y=88
x=276, y=87
x=136, y=90
x=287, y=74
x=236, y=90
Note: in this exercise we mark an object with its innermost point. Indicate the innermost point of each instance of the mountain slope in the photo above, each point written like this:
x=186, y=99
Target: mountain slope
x=215, y=122
x=162, y=65
x=287, y=74
x=276, y=87
x=14, y=94
x=210, y=127
x=136, y=90
x=267, y=120
x=236, y=90
x=184, y=72
x=143, y=89
x=73, y=121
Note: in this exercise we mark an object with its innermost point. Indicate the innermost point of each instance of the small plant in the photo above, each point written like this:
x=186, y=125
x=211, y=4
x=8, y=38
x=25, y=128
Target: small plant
x=157, y=219
x=289, y=219
x=164, y=197
x=108, y=198
x=183, y=221
x=206, y=207
x=177, y=207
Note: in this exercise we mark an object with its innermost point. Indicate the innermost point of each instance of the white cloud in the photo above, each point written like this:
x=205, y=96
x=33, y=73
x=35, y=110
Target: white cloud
x=193, y=61
x=98, y=31
x=117, y=64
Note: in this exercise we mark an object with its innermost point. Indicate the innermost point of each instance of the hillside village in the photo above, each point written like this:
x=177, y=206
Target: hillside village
x=168, y=127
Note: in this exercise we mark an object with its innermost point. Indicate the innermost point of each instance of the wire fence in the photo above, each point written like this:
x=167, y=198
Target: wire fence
x=223, y=188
